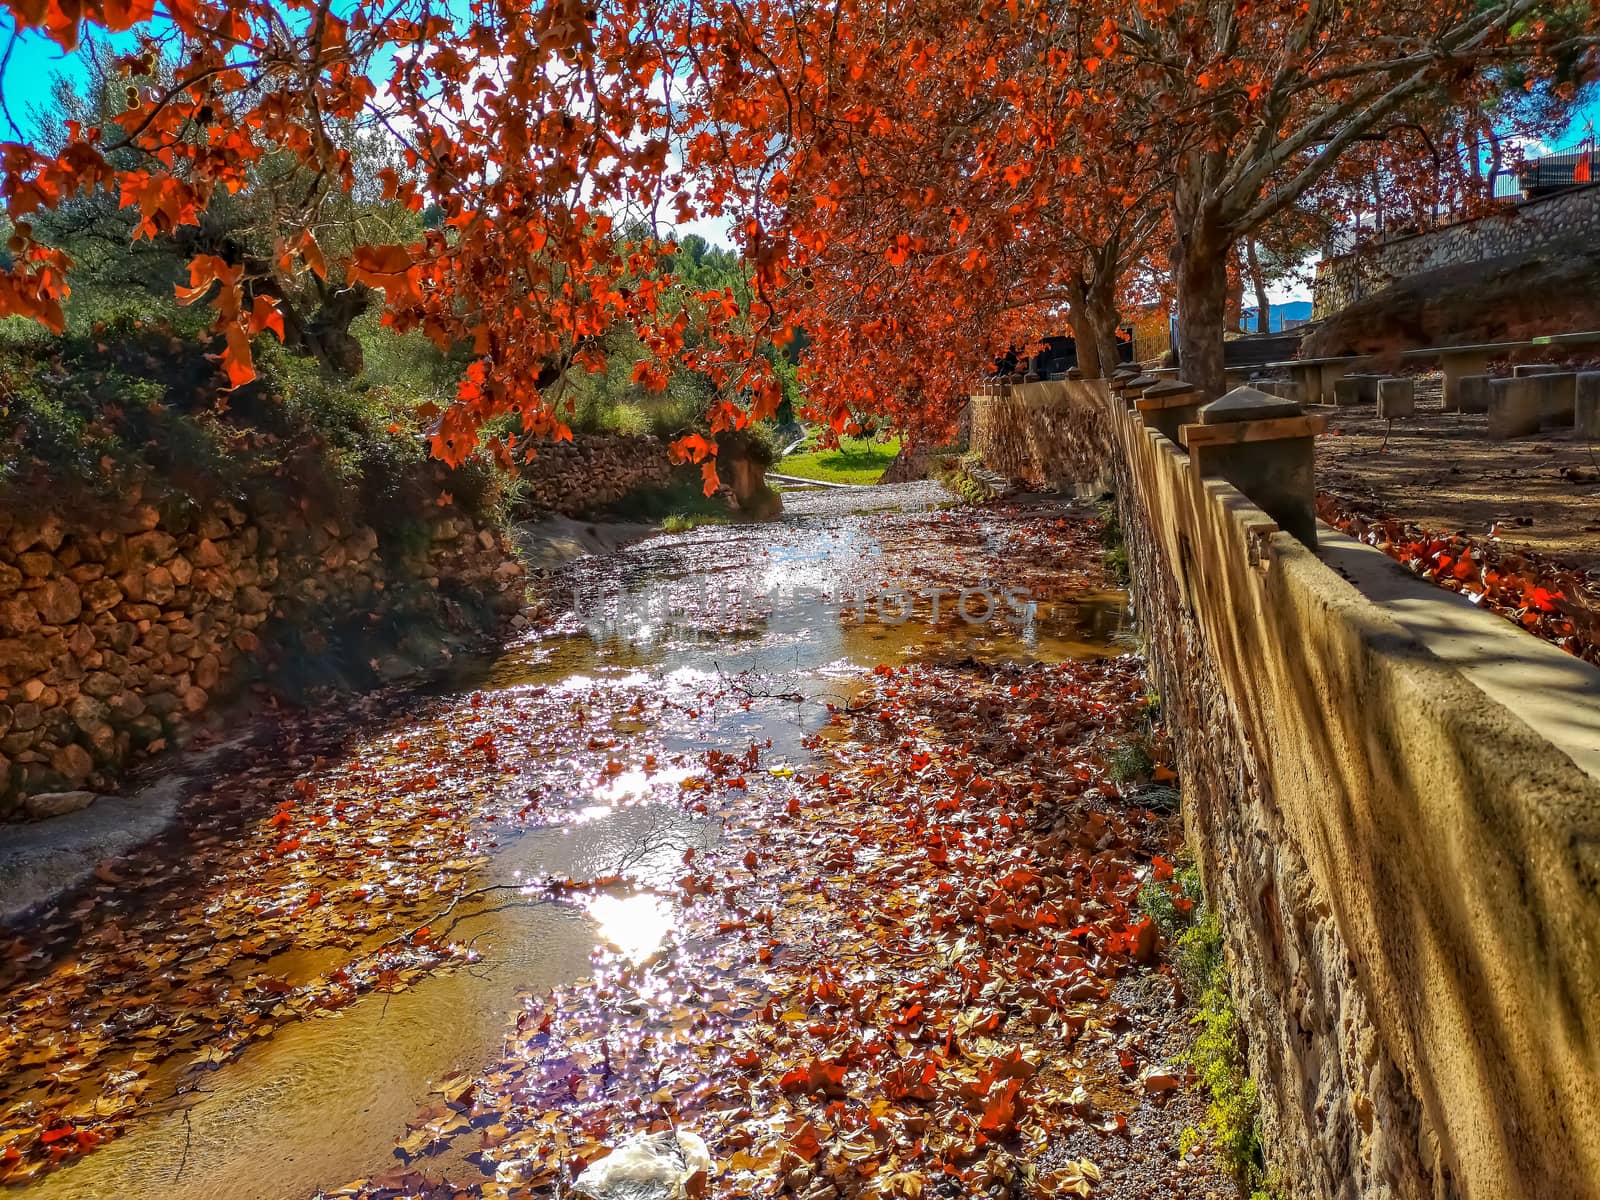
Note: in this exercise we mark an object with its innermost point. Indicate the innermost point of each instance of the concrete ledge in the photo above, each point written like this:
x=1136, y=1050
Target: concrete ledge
x=1396, y=802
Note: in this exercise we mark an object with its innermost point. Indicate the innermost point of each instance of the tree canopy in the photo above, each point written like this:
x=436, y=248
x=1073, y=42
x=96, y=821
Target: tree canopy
x=914, y=184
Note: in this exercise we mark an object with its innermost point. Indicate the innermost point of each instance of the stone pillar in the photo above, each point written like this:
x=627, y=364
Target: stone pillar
x=1265, y=447
x=1132, y=388
x=1472, y=393
x=1397, y=398
x=1515, y=407
x=1457, y=367
x=1169, y=406
x=1356, y=389
x=1328, y=380
x=1587, y=406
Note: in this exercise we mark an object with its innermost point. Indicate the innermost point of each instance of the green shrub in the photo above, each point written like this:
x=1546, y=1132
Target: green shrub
x=125, y=396
x=630, y=420
x=1232, y=1121
x=1114, y=544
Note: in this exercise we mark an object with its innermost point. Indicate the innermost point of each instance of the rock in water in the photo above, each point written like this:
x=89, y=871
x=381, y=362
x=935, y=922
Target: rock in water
x=653, y=1166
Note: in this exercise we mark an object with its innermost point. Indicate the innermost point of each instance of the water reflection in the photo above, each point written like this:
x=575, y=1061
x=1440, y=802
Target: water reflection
x=635, y=926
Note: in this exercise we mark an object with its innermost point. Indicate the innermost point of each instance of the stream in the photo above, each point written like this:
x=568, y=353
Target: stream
x=678, y=645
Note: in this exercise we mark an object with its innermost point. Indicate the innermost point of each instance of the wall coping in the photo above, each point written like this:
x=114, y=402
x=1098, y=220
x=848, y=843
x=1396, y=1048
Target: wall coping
x=1555, y=693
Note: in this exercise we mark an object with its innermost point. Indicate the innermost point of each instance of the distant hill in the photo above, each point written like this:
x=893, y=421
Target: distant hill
x=1298, y=310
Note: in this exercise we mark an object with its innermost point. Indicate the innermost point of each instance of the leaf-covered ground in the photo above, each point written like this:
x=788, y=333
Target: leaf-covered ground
x=913, y=967
x=902, y=954
x=1549, y=598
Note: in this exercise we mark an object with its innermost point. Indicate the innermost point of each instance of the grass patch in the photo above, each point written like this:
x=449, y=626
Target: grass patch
x=679, y=506
x=1114, y=544
x=1232, y=1121
x=683, y=522
x=857, y=461
x=1132, y=761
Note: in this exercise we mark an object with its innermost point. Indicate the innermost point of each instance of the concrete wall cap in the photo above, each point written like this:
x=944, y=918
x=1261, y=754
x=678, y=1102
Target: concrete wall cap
x=1169, y=387
x=1248, y=404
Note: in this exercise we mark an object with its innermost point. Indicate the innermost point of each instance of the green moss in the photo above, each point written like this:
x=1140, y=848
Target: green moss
x=1114, y=545
x=1232, y=1122
x=954, y=473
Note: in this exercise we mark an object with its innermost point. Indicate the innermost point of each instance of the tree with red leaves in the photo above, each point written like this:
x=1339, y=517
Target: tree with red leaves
x=915, y=184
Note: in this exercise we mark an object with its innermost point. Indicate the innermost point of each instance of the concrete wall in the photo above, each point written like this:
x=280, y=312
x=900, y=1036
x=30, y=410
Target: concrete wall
x=1565, y=218
x=1409, y=869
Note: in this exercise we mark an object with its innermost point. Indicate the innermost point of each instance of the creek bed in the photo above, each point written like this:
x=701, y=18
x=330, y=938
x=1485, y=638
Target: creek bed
x=736, y=635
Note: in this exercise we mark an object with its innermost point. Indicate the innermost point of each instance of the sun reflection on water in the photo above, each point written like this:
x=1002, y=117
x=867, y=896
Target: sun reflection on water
x=636, y=926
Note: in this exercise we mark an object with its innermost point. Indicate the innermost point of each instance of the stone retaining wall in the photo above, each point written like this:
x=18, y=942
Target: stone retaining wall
x=115, y=632
x=1409, y=873
x=1571, y=217
x=591, y=471
x=1026, y=434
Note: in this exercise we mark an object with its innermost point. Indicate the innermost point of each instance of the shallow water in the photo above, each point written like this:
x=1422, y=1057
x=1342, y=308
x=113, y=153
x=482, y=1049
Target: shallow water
x=784, y=615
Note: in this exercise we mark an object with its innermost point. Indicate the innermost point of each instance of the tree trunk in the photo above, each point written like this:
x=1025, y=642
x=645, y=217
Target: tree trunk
x=1202, y=276
x=1083, y=336
x=1259, y=279
x=1233, y=313
x=1100, y=313
x=1105, y=321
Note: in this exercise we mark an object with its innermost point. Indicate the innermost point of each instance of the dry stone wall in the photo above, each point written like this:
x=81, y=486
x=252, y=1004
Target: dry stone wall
x=1568, y=218
x=115, y=631
x=591, y=471
x=1405, y=867
x=1026, y=433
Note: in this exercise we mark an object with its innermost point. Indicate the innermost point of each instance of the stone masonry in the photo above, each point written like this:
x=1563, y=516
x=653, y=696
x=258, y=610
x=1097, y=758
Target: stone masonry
x=1568, y=217
x=114, y=633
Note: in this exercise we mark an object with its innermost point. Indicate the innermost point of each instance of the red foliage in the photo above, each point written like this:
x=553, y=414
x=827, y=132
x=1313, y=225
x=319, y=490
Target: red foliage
x=1553, y=601
x=917, y=185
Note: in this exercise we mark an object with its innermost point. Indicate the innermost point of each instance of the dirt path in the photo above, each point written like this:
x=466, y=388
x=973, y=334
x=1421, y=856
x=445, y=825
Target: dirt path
x=1441, y=471
x=724, y=841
